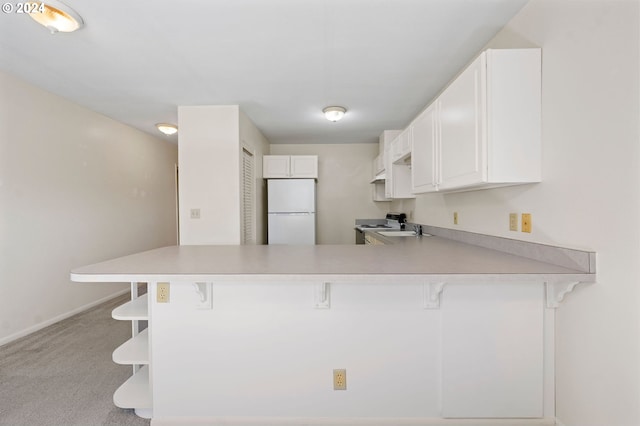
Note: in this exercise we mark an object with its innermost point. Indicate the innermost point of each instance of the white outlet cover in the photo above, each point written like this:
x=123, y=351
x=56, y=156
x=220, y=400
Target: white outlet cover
x=195, y=213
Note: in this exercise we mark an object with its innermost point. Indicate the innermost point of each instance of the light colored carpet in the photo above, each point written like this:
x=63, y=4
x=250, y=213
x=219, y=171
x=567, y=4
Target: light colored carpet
x=64, y=374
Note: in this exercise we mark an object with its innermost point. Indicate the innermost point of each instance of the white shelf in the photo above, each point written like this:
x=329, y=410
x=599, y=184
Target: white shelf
x=135, y=392
x=135, y=309
x=134, y=351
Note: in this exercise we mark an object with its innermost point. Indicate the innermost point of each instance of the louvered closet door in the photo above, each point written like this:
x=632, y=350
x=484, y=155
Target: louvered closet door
x=248, y=197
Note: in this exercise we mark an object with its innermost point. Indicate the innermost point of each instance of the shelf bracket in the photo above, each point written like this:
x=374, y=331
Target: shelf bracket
x=203, y=290
x=556, y=291
x=432, y=292
x=322, y=296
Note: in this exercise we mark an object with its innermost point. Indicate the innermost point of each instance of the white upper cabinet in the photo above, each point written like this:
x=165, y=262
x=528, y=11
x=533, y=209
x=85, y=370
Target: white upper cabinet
x=484, y=129
x=381, y=188
x=423, y=156
x=462, y=145
x=398, y=178
x=276, y=166
x=401, y=146
x=304, y=166
x=290, y=166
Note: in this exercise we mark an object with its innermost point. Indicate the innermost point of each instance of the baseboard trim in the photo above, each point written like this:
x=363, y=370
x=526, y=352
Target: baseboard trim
x=40, y=326
x=558, y=422
x=343, y=421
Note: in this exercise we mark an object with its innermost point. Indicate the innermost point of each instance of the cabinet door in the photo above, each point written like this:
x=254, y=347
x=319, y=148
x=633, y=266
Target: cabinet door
x=395, y=148
x=493, y=350
x=405, y=142
x=388, y=172
x=401, y=146
x=397, y=179
x=402, y=181
x=304, y=166
x=275, y=166
x=423, y=156
x=462, y=141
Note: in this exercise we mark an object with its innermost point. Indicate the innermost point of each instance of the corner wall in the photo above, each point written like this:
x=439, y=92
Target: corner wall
x=75, y=188
x=589, y=197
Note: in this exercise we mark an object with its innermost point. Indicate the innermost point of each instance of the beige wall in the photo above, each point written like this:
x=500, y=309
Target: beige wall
x=589, y=197
x=343, y=191
x=75, y=188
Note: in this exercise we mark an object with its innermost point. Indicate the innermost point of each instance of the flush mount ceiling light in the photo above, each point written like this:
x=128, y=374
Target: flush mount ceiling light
x=167, y=129
x=55, y=16
x=334, y=113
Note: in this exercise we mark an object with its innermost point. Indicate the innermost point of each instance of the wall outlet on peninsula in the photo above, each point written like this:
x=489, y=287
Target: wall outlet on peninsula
x=162, y=295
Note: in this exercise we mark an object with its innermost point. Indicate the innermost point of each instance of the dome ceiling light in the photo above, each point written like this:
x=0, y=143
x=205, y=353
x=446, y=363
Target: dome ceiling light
x=334, y=113
x=55, y=16
x=167, y=128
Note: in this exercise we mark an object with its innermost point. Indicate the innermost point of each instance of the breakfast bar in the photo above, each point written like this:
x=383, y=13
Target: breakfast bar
x=430, y=329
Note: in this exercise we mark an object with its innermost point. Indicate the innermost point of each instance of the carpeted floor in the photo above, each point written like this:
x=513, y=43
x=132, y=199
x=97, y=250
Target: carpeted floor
x=63, y=375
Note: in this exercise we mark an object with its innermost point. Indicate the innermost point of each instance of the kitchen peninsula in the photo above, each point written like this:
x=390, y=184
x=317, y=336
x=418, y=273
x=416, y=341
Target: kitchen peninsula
x=428, y=329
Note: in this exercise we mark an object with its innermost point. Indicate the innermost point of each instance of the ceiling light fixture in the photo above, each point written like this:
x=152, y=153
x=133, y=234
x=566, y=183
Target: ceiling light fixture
x=167, y=129
x=56, y=16
x=334, y=113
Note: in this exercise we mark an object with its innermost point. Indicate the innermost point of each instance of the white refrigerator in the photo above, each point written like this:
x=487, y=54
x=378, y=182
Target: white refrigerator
x=291, y=211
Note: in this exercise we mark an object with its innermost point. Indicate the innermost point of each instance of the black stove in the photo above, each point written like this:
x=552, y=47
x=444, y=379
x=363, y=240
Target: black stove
x=391, y=221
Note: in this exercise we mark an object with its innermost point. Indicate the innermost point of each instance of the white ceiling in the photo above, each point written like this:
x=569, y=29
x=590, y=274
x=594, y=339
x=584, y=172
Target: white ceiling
x=282, y=61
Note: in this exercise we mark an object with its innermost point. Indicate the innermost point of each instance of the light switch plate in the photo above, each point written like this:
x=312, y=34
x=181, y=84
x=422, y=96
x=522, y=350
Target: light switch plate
x=513, y=221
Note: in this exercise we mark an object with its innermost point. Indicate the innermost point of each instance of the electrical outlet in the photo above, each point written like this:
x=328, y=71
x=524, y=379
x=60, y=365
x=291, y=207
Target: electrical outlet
x=195, y=213
x=526, y=222
x=162, y=293
x=340, y=379
x=513, y=221
x=455, y=218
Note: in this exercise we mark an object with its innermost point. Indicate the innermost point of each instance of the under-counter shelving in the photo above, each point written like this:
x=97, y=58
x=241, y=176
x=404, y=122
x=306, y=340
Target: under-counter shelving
x=134, y=310
x=134, y=351
x=135, y=392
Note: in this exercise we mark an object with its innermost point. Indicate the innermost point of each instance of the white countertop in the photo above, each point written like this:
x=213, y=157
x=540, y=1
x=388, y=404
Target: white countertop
x=408, y=257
